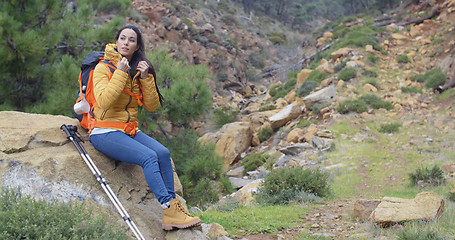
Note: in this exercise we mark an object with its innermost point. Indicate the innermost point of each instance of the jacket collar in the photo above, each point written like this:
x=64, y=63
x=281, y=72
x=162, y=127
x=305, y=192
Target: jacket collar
x=111, y=53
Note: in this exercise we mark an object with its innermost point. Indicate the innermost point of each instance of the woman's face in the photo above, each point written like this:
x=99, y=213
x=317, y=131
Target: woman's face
x=127, y=43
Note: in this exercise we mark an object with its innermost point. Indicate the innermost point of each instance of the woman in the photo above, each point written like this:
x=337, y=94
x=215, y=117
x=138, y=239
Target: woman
x=116, y=128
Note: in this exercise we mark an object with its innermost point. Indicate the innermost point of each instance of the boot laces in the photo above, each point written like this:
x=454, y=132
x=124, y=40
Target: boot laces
x=181, y=208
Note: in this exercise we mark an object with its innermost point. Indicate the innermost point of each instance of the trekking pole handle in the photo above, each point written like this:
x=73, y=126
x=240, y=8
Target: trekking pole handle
x=65, y=129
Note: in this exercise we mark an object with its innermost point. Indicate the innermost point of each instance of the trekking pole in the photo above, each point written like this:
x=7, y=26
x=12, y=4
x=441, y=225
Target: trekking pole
x=72, y=134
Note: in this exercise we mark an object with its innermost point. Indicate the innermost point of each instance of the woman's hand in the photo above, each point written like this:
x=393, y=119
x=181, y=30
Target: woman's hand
x=123, y=65
x=143, y=67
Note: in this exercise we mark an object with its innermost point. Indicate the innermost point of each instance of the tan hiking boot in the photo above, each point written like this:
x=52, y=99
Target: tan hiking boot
x=177, y=217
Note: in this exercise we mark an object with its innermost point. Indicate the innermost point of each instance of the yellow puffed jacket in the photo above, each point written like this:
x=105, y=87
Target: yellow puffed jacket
x=115, y=105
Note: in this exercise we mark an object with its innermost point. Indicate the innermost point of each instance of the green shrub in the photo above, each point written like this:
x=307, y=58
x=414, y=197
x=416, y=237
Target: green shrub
x=316, y=76
x=403, y=59
x=389, y=127
x=23, y=217
x=372, y=81
x=221, y=76
x=370, y=73
x=303, y=123
x=376, y=102
x=434, y=78
x=316, y=108
x=371, y=58
x=194, y=161
x=410, y=90
x=280, y=90
x=277, y=38
x=265, y=133
x=285, y=185
x=224, y=116
x=267, y=108
x=347, y=74
x=306, y=88
x=253, y=161
x=382, y=104
x=370, y=98
x=230, y=20
x=340, y=66
x=358, y=36
x=358, y=106
x=256, y=60
x=433, y=176
x=418, y=234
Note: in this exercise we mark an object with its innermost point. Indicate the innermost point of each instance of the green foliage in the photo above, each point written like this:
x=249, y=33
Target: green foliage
x=358, y=106
x=420, y=234
x=303, y=123
x=45, y=38
x=410, y=90
x=403, y=59
x=277, y=38
x=306, y=88
x=372, y=59
x=316, y=108
x=280, y=90
x=376, y=102
x=285, y=185
x=265, y=133
x=340, y=66
x=253, y=161
x=316, y=76
x=221, y=76
x=230, y=20
x=424, y=175
x=256, y=60
x=225, y=115
x=434, y=78
x=389, y=127
x=198, y=167
x=267, y=108
x=370, y=73
x=186, y=95
x=372, y=81
x=358, y=36
x=22, y=217
x=347, y=74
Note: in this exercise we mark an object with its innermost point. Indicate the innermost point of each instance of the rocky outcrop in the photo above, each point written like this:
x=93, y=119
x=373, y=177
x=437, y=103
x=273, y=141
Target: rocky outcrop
x=37, y=158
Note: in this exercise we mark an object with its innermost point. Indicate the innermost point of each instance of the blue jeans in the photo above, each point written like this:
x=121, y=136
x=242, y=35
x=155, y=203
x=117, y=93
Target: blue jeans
x=152, y=156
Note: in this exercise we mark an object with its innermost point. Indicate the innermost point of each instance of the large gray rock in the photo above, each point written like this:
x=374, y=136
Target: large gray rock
x=425, y=206
x=325, y=95
x=37, y=158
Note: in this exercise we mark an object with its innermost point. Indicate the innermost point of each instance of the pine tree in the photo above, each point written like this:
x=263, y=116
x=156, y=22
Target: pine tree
x=46, y=40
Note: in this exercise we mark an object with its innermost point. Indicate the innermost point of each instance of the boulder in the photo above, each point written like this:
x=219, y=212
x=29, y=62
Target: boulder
x=244, y=195
x=230, y=141
x=38, y=159
x=327, y=94
x=288, y=113
x=425, y=206
x=214, y=230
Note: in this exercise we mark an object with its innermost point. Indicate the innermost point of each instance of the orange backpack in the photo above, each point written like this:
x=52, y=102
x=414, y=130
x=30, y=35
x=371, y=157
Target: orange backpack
x=87, y=120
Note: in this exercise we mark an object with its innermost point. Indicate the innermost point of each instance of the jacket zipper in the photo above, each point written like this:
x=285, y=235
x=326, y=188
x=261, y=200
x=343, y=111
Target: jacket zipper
x=131, y=98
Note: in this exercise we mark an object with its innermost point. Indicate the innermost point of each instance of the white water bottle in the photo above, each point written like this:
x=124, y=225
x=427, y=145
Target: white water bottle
x=81, y=107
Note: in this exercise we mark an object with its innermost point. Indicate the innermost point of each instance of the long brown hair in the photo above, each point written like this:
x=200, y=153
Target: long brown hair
x=139, y=55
